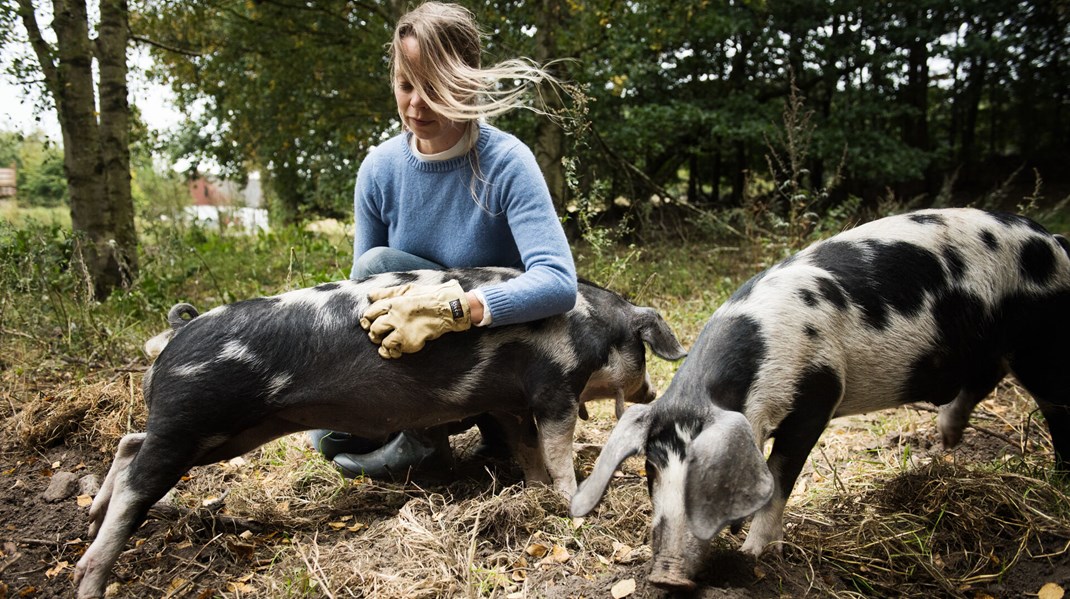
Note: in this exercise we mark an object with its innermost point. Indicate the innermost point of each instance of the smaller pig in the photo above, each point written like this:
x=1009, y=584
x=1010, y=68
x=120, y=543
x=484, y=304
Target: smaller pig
x=238, y=376
x=936, y=306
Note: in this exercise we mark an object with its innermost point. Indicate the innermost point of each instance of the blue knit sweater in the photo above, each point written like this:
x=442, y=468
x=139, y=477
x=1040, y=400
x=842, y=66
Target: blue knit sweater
x=426, y=208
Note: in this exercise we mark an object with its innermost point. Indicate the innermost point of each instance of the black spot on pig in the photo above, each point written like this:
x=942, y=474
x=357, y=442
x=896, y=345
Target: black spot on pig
x=956, y=265
x=872, y=272
x=964, y=352
x=989, y=239
x=734, y=348
x=928, y=219
x=1011, y=220
x=832, y=292
x=664, y=438
x=1037, y=260
x=817, y=392
x=326, y=287
x=808, y=297
x=811, y=331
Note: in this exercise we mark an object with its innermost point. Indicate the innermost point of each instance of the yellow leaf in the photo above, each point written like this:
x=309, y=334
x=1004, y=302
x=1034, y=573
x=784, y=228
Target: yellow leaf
x=622, y=553
x=337, y=525
x=52, y=572
x=623, y=588
x=1051, y=591
x=85, y=500
x=559, y=554
x=177, y=583
x=537, y=550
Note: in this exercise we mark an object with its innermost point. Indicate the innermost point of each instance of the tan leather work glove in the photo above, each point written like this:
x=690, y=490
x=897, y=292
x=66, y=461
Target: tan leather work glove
x=403, y=318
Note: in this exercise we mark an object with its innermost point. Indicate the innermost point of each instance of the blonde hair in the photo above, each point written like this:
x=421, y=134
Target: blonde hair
x=448, y=75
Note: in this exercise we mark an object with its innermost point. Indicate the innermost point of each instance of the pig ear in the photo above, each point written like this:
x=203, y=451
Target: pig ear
x=727, y=477
x=626, y=440
x=655, y=332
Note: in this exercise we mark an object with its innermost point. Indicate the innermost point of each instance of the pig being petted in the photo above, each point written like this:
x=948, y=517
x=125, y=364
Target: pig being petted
x=234, y=378
x=935, y=305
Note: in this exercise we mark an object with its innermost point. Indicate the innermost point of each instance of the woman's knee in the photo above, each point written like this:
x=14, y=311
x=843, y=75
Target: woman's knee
x=385, y=259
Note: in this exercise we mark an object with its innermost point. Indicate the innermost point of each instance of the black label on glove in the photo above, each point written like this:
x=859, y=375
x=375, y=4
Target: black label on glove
x=455, y=307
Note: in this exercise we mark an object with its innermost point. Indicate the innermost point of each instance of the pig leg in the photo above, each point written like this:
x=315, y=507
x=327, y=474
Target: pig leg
x=1050, y=387
x=133, y=490
x=816, y=398
x=954, y=416
x=1042, y=366
x=555, y=415
x=128, y=448
x=522, y=437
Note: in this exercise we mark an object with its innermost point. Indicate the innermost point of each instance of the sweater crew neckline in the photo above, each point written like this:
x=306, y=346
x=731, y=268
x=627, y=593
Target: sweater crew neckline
x=442, y=166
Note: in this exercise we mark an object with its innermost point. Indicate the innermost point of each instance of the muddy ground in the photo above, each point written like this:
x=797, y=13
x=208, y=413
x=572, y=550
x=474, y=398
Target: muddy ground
x=880, y=511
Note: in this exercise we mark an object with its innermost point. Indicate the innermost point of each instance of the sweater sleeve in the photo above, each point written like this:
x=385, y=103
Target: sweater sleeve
x=548, y=284
x=369, y=228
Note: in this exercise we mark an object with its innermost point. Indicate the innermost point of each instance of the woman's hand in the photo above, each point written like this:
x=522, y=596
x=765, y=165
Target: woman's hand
x=402, y=319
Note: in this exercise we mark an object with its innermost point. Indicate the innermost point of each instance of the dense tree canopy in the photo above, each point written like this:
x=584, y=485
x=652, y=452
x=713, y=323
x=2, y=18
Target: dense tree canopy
x=683, y=98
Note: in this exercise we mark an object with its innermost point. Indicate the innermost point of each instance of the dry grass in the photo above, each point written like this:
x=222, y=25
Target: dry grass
x=880, y=510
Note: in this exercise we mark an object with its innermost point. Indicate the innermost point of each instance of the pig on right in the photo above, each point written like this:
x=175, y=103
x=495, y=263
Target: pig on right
x=934, y=305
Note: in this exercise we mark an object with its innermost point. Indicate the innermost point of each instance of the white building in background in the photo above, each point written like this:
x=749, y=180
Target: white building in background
x=225, y=205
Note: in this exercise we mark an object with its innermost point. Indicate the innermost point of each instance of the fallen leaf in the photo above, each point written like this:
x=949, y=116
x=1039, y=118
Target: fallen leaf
x=85, y=500
x=241, y=550
x=622, y=553
x=559, y=555
x=577, y=523
x=537, y=550
x=337, y=525
x=1051, y=591
x=245, y=536
x=355, y=527
x=177, y=583
x=52, y=572
x=623, y=588
x=240, y=587
x=56, y=465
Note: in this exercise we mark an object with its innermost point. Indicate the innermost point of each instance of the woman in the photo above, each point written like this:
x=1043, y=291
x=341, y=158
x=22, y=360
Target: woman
x=450, y=191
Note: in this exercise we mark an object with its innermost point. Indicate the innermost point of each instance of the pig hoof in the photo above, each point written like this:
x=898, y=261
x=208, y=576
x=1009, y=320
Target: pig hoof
x=671, y=583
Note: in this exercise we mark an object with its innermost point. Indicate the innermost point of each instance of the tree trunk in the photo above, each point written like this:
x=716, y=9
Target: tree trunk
x=96, y=155
x=115, y=133
x=915, y=95
x=549, y=137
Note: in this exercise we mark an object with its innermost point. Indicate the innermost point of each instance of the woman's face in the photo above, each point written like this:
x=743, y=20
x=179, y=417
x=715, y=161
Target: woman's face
x=433, y=133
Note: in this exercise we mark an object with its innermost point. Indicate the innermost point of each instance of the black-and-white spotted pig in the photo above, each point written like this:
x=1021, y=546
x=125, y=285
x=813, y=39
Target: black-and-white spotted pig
x=243, y=374
x=936, y=305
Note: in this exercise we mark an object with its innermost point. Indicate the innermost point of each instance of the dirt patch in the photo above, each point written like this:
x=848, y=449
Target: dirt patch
x=880, y=511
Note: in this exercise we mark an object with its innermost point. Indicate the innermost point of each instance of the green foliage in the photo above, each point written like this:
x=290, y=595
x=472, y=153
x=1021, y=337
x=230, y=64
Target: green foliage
x=297, y=92
x=39, y=162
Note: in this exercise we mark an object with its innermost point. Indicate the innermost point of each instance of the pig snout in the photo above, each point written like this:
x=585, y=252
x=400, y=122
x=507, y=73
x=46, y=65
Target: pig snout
x=668, y=574
x=678, y=556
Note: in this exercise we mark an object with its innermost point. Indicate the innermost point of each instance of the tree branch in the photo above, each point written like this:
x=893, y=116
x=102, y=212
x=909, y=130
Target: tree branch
x=163, y=46
x=40, y=46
